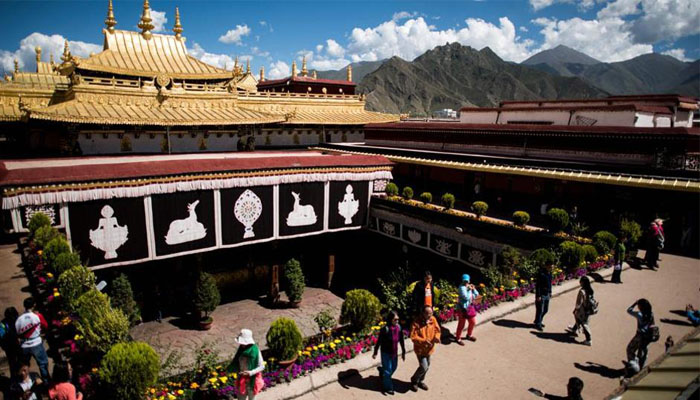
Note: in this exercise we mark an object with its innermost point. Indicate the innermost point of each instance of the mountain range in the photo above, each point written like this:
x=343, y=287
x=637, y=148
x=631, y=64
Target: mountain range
x=453, y=76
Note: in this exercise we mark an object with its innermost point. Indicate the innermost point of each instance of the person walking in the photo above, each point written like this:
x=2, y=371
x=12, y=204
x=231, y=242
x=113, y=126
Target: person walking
x=61, y=387
x=25, y=385
x=28, y=327
x=248, y=363
x=467, y=311
x=620, y=254
x=425, y=334
x=389, y=340
x=647, y=332
x=655, y=243
x=8, y=339
x=543, y=292
x=583, y=310
x=423, y=294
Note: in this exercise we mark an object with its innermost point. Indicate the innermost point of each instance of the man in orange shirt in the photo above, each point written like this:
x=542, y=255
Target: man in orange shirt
x=424, y=294
x=425, y=334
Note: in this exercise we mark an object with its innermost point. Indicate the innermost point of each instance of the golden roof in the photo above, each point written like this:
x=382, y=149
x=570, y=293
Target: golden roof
x=130, y=53
x=48, y=81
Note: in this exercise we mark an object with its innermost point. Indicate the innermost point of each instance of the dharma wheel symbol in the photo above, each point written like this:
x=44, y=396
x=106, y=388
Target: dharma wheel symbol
x=162, y=80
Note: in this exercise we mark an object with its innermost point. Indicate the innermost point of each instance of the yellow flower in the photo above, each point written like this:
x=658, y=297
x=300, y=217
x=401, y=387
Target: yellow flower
x=49, y=275
x=332, y=345
x=56, y=294
x=299, y=352
x=214, y=373
x=171, y=397
x=315, y=348
x=308, y=349
x=336, y=341
x=223, y=379
x=180, y=392
x=40, y=252
x=194, y=385
x=153, y=390
x=212, y=380
x=307, y=353
x=235, y=375
x=320, y=346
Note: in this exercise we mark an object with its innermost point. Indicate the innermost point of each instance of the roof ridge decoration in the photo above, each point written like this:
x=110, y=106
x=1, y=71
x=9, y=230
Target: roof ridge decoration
x=304, y=71
x=66, y=57
x=177, y=28
x=146, y=22
x=110, y=21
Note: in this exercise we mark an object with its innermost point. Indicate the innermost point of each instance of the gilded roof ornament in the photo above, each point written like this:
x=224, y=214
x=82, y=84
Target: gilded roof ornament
x=313, y=75
x=349, y=73
x=16, y=66
x=146, y=22
x=37, y=49
x=262, y=74
x=294, y=68
x=177, y=28
x=247, y=66
x=304, y=71
x=51, y=61
x=66, y=57
x=110, y=21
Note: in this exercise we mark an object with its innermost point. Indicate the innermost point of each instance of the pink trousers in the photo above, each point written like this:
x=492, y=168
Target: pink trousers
x=460, y=325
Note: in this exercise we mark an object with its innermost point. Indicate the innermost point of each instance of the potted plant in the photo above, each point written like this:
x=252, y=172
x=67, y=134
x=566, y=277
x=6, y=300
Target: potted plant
x=632, y=231
x=479, y=208
x=284, y=341
x=206, y=299
x=294, y=278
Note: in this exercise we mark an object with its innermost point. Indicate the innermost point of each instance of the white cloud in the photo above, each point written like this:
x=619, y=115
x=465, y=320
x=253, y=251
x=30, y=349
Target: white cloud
x=666, y=20
x=267, y=25
x=582, y=5
x=263, y=23
x=620, y=8
x=398, y=16
x=677, y=53
x=319, y=48
x=278, y=69
x=523, y=29
x=333, y=49
x=159, y=20
x=256, y=51
x=218, y=60
x=50, y=44
x=235, y=35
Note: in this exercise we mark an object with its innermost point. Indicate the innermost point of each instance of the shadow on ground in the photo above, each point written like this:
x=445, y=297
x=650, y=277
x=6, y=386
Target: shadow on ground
x=509, y=323
x=352, y=379
x=600, y=369
x=561, y=337
x=675, y=322
x=597, y=278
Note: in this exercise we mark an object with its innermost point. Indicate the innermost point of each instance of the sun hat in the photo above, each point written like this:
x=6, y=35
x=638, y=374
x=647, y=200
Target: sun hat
x=466, y=278
x=246, y=337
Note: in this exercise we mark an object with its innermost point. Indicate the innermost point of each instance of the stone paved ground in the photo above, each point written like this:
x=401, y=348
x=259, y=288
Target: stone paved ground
x=13, y=288
x=229, y=319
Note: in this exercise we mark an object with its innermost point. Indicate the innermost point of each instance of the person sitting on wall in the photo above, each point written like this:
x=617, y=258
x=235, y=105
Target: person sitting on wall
x=692, y=314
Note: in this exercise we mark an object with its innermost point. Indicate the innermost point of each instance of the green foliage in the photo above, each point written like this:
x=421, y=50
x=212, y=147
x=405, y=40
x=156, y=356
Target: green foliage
x=407, y=193
x=73, y=283
x=325, y=320
x=284, y=339
x=294, y=278
x=206, y=357
x=632, y=230
x=571, y=255
x=448, y=200
x=100, y=325
x=45, y=234
x=65, y=261
x=360, y=308
x=542, y=258
x=494, y=277
x=528, y=269
x=590, y=253
x=511, y=258
x=55, y=247
x=128, y=369
x=37, y=221
x=604, y=242
x=392, y=189
x=479, y=208
x=446, y=293
x=395, y=291
x=123, y=299
x=558, y=218
x=579, y=229
x=426, y=197
x=521, y=218
x=206, y=294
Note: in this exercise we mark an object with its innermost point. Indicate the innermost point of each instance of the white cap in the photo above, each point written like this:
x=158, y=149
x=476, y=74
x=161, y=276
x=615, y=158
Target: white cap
x=246, y=337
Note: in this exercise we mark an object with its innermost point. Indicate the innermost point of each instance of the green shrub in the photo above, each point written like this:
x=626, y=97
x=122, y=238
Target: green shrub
x=510, y=258
x=542, y=258
x=65, y=261
x=123, y=299
x=579, y=228
x=494, y=277
x=128, y=369
x=206, y=294
x=426, y=197
x=558, y=218
x=284, y=339
x=392, y=189
x=325, y=320
x=73, y=283
x=45, y=234
x=590, y=253
x=632, y=230
x=55, y=247
x=394, y=290
x=604, y=242
x=100, y=325
x=37, y=221
x=360, y=308
x=448, y=200
x=528, y=269
x=521, y=218
x=294, y=278
x=446, y=293
x=407, y=193
x=571, y=255
x=479, y=208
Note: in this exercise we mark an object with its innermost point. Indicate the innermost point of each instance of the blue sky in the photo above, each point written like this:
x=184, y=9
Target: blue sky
x=333, y=33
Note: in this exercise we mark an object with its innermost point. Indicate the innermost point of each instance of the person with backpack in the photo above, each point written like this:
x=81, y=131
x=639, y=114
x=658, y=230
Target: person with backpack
x=28, y=327
x=647, y=332
x=389, y=340
x=586, y=305
x=8, y=339
x=467, y=311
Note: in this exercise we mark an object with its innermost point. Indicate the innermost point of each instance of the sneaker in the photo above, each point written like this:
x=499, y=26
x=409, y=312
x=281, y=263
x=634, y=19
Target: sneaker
x=586, y=343
x=570, y=330
x=539, y=327
x=423, y=386
x=471, y=338
x=390, y=392
x=414, y=387
x=460, y=342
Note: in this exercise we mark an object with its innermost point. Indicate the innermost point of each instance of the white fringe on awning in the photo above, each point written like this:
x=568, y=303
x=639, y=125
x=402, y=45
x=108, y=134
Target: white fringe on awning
x=80, y=195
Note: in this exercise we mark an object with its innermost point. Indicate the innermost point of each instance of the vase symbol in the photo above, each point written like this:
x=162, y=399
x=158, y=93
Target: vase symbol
x=186, y=230
x=301, y=215
x=414, y=236
x=247, y=210
x=349, y=206
x=108, y=236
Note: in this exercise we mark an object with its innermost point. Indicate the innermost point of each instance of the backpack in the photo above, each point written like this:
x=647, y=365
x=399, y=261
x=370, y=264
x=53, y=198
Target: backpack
x=591, y=306
x=652, y=333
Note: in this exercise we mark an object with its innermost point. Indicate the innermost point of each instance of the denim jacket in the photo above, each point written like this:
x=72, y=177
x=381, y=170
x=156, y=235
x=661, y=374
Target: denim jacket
x=466, y=296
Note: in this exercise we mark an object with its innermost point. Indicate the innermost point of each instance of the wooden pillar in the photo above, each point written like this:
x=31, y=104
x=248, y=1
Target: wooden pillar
x=331, y=268
x=274, y=294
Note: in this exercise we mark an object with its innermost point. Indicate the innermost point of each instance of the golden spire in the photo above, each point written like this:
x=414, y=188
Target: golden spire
x=262, y=74
x=51, y=59
x=178, y=26
x=294, y=68
x=247, y=66
x=37, y=49
x=313, y=75
x=66, y=57
x=146, y=22
x=304, y=71
x=349, y=73
x=16, y=66
x=110, y=21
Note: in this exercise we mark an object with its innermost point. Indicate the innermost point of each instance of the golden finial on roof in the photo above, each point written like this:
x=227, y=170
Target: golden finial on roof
x=66, y=57
x=304, y=71
x=110, y=21
x=7, y=78
x=16, y=66
x=178, y=26
x=247, y=66
x=146, y=22
x=294, y=68
x=262, y=74
x=51, y=60
x=313, y=75
x=37, y=49
x=349, y=73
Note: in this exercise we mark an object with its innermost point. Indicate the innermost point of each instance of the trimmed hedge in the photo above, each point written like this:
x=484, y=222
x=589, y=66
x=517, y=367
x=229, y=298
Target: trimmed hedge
x=558, y=218
x=448, y=200
x=479, y=208
x=294, y=278
x=604, y=242
x=521, y=218
x=128, y=369
x=407, y=193
x=284, y=339
x=392, y=189
x=426, y=197
x=571, y=255
x=360, y=308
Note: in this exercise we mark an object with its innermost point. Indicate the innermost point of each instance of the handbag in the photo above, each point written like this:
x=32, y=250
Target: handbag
x=471, y=311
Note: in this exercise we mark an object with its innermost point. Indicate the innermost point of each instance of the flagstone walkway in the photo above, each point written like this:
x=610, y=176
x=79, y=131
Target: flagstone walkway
x=14, y=288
